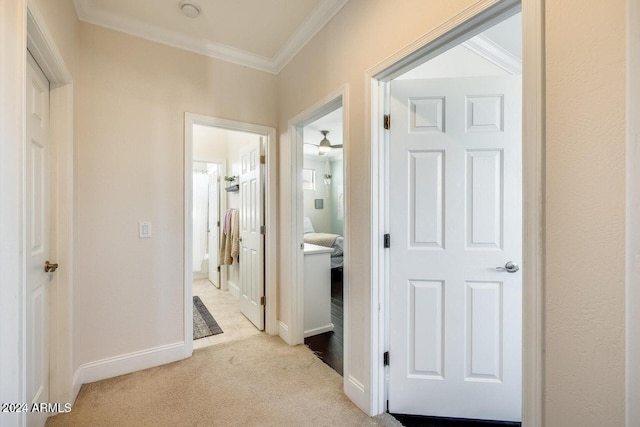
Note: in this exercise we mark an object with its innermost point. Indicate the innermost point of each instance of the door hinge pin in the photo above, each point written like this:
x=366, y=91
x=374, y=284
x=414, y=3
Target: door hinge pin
x=263, y=300
x=387, y=241
x=385, y=358
x=387, y=121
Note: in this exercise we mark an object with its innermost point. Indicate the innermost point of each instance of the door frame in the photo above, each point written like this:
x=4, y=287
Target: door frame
x=333, y=101
x=471, y=21
x=190, y=119
x=632, y=240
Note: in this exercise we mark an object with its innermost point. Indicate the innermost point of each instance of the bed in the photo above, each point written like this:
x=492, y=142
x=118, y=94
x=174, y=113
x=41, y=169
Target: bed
x=334, y=241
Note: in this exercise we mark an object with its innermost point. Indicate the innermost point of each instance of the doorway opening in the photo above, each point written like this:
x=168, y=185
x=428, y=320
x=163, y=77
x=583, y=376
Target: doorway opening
x=229, y=219
x=423, y=329
x=323, y=228
x=320, y=228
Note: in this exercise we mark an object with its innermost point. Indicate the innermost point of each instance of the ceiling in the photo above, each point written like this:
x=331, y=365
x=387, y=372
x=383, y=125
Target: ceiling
x=252, y=33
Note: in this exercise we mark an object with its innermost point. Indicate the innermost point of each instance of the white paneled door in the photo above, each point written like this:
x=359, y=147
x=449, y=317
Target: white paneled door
x=213, y=226
x=455, y=223
x=37, y=240
x=251, y=238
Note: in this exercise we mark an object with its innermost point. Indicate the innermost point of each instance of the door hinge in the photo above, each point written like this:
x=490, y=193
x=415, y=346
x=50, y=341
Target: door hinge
x=387, y=241
x=385, y=358
x=263, y=229
x=263, y=160
x=218, y=223
x=218, y=269
x=387, y=121
x=263, y=300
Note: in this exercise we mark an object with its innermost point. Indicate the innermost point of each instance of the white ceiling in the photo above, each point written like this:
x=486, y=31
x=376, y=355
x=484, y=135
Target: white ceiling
x=256, y=34
x=312, y=136
x=494, y=52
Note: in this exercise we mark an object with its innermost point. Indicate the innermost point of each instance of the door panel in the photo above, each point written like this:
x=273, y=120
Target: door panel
x=252, y=240
x=37, y=228
x=455, y=215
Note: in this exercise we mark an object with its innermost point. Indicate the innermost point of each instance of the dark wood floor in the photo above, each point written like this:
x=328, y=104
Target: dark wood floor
x=418, y=421
x=329, y=347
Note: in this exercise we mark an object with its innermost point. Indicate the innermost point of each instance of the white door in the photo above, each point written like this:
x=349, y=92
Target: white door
x=455, y=217
x=37, y=240
x=213, y=225
x=251, y=239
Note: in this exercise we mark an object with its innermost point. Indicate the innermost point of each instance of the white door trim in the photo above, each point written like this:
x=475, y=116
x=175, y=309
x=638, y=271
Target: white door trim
x=43, y=48
x=632, y=279
x=471, y=21
x=271, y=324
x=333, y=101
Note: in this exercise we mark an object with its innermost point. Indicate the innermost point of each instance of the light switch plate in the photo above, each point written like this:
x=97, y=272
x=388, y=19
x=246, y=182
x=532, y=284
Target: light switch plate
x=144, y=229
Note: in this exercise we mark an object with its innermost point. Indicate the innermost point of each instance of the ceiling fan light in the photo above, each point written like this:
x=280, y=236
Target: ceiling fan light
x=325, y=146
x=189, y=8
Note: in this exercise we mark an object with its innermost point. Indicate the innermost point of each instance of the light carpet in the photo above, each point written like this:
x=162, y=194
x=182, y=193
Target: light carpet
x=259, y=381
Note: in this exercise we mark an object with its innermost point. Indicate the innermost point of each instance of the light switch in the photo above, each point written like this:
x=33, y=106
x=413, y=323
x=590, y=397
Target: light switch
x=144, y=230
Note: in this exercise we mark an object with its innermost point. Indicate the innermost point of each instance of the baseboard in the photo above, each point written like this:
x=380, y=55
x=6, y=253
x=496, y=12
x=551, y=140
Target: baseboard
x=234, y=289
x=127, y=363
x=285, y=333
x=320, y=330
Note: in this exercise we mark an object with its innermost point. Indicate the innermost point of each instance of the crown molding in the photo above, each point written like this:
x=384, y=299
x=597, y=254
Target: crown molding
x=494, y=53
x=320, y=16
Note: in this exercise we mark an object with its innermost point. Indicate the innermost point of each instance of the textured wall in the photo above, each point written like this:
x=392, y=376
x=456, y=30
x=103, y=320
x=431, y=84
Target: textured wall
x=585, y=213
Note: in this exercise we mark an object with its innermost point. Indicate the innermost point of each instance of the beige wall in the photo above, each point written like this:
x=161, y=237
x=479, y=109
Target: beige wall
x=585, y=213
x=585, y=169
x=129, y=291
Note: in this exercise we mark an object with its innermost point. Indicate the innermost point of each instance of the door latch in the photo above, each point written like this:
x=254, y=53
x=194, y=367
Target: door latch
x=50, y=268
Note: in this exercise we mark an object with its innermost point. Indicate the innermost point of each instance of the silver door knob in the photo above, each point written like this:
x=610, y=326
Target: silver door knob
x=50, y=268
x=510, y=267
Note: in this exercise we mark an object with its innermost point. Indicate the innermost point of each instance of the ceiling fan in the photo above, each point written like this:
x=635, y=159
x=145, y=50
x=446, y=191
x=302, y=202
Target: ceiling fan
x=325, y=146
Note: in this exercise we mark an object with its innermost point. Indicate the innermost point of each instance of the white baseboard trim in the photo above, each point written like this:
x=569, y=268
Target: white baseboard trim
x=128, y=363
x=320, y=330
x=234, y=289
x=285, y=333
x=357, y=392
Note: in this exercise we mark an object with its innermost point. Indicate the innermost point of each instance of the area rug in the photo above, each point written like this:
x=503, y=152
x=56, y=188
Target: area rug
x=204, y=325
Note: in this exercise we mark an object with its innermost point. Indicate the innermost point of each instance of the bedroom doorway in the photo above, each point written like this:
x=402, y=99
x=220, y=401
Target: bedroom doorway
x=323, y=229
x=225, y=163
x=320, y=229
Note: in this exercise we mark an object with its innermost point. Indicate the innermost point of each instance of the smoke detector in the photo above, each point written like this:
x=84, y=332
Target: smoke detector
x=189, y=8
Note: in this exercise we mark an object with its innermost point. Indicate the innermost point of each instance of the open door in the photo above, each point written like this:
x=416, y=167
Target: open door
x=251, y=237
x=455, y=292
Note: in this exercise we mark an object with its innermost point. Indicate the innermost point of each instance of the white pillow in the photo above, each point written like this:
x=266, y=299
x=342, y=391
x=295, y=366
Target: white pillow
x=308, y=227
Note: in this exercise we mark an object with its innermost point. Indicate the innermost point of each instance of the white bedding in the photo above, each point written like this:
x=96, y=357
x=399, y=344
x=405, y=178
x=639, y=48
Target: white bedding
x=338, y=245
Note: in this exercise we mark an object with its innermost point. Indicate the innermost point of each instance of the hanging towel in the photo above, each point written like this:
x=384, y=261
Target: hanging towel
x=230, y=243
x=235, y=235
